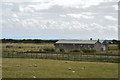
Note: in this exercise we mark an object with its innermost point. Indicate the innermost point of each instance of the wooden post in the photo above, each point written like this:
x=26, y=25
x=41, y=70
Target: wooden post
x=36, y=55
x=107, y=58
x=41, y=55
x=46, y=55
x=12, y=55
x=31, y=55
x=8, y=55
x=26, y=55
x=68, y=55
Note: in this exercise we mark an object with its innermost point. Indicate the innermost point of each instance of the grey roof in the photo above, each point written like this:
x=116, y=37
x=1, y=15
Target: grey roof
x=79, y=41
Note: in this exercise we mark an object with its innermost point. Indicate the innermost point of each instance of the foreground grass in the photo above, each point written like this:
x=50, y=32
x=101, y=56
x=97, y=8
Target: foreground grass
x=27, y=68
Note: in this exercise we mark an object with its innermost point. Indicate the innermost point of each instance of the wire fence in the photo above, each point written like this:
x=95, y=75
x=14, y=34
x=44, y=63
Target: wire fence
x=65, y=56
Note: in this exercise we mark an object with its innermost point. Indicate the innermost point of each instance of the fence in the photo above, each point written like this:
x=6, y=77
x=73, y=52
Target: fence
x=65, y=56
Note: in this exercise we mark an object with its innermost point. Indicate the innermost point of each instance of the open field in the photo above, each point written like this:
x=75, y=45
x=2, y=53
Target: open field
x=30, y=50
x=36, y=65
x=39, y=47
x=27, y=68
x=22, y=47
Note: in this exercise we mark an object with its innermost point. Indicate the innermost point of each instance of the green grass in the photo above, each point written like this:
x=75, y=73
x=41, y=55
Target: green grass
x=57, y=69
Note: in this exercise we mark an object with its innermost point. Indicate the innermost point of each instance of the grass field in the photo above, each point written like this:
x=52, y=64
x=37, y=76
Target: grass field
x=42, y=68
x=23, y=47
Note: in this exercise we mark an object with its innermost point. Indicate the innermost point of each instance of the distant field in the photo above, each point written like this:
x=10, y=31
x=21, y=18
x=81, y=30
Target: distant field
x=23, y=47
x=42, y=68
x=113, y=47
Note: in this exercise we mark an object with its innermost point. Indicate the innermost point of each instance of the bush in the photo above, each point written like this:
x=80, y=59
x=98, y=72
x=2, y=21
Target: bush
x=62, y=50
x=75, y=51
x=40, y=50
x=49, y=50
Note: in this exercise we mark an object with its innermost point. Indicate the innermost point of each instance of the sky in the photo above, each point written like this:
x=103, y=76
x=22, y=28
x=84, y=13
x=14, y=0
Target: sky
x=59, y=19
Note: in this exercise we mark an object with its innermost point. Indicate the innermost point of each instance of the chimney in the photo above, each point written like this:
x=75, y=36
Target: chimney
x=98, y=40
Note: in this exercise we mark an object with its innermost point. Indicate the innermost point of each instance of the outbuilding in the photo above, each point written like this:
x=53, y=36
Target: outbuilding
x=98, y=45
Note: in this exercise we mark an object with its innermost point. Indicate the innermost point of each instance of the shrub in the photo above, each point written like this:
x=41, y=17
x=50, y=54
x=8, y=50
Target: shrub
x=49, y=50
x=75, y=51
x=40, y=50
x=62, y=50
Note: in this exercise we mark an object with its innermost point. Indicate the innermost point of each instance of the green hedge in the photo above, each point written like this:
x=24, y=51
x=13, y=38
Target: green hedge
x=48, y=50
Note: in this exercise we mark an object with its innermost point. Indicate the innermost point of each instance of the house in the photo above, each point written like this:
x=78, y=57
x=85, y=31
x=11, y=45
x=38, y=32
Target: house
x=98, y=45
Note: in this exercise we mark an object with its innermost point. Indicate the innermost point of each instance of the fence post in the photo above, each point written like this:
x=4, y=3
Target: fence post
x=36, y=55
x=12, y=55
x=63, y=56
x=107, y=58
x=87, y=57
x=26, y=55
x=46, y=55
x=57, y=56
x=81, y=56
x=94, y=57
x=31, y=55
x=68, y=55
x=73, y=57
x=8, y=55
x=40, y=55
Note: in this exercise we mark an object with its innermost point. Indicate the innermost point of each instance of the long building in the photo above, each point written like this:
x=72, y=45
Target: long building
x=98, y=45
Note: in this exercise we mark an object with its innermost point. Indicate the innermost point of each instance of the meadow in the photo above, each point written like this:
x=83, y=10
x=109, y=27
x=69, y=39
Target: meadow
x=35, y=66
x=48, y=51
x=43, y=68
x=23, y=47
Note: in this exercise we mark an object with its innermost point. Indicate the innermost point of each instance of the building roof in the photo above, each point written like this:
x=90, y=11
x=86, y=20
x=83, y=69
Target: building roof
x=79, y=41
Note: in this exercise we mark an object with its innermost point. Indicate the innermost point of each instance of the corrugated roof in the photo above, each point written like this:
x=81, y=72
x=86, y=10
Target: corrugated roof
x=79, y=41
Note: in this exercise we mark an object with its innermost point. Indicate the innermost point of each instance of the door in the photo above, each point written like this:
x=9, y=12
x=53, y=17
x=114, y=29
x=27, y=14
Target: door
x=103, y=48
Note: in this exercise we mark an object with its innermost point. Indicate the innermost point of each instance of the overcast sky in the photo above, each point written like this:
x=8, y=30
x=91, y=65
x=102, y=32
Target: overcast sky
x=59, y=19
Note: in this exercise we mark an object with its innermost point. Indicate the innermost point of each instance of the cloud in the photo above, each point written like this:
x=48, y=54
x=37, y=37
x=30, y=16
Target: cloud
x=110, y=18
x=115, y=7
x=60, y=19
x=63, y=16
x=81, y=16
x=77, y=3
x=40, y=6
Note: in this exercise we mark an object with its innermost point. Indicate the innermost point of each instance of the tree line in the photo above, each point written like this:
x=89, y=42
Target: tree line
x=44, y=41
x=27, y=41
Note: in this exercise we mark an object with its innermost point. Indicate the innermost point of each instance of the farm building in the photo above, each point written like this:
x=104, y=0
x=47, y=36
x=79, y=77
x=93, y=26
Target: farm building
x=98, y=45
